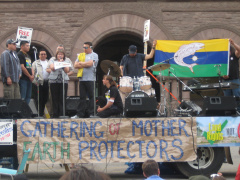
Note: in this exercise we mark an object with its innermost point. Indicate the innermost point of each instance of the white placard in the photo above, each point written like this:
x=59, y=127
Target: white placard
x=58, y=65
x=146, y=30
x=24, y=34
x=6, y=132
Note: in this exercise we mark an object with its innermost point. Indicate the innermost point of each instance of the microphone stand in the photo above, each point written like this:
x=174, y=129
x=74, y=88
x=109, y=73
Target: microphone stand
x=63, y=116
x=94, y=88
x=219, y=77
x=38, y=94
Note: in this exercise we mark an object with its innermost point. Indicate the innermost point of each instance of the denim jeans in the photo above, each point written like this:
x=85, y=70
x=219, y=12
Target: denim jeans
x=232, y=92
x=25, y=90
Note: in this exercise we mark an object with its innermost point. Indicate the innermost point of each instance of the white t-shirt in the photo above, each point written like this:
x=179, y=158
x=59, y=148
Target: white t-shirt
x=45, y=73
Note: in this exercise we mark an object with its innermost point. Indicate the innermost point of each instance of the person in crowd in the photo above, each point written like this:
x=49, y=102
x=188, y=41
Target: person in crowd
x=233, y=75
x=11, y=71
x=27, y=77
x=199, y=177
x=41, y=81
x=151, y=170
x=56, y=83
x=111, y=104
x=83, y=173
x=86, y=64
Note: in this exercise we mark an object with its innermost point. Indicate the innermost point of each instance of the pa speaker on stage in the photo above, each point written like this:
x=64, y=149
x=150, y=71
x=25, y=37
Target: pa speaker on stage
x=72, y=104
x=219, y=106
x=139, y=104
x=14, y=108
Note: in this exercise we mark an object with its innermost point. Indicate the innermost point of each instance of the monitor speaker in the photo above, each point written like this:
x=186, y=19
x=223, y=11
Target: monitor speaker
x=219, y=106
x=14, y=108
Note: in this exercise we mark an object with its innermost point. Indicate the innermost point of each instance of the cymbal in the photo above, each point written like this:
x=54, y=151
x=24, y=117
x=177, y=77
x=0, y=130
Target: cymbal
x=107, y=65
x=159, y=67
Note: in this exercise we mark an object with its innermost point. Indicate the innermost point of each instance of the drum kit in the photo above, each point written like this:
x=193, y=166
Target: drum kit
x=128, y=85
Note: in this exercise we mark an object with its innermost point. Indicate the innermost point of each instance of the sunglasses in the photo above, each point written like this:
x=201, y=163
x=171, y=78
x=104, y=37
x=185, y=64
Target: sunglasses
x=85, y=47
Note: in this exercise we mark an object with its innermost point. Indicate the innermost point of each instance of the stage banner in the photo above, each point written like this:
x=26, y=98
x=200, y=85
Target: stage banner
x=203, y=58
x=218, y=131
x=107, y=140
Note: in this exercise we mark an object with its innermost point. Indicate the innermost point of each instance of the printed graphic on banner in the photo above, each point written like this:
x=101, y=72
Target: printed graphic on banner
x=24, y=34
x=6, y=132
x=218, y=131
x=111, y=140
x=204, y=58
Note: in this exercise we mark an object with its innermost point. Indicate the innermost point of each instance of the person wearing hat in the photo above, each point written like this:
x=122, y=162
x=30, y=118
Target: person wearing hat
x=11, y=71
x=132, y=63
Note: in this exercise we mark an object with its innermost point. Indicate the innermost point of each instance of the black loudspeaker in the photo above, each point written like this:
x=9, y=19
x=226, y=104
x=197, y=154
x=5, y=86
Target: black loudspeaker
x=219, y=106
x=139, y=104
x=14, y=108
x=72, y=104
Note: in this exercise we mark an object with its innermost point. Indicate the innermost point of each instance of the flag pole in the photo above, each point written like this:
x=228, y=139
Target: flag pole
x=145, y=61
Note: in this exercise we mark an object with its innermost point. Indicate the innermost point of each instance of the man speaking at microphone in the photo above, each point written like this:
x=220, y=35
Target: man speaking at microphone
x=27, y=77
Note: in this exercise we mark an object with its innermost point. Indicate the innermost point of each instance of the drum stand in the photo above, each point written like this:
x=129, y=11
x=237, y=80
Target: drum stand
x=162, y=111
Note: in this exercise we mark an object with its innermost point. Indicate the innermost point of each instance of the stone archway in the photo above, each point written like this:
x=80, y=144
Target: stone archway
x=110, y=24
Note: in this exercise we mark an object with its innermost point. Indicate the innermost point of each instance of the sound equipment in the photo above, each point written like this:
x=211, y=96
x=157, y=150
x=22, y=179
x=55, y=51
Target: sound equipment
x=219, y=106
x=71, y=105
x=14, y=108
x=188, y=108
x=212, y=86
x=139, y=104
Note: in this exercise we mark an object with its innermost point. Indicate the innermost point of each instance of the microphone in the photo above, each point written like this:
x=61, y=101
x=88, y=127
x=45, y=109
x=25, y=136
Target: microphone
x=34, y=47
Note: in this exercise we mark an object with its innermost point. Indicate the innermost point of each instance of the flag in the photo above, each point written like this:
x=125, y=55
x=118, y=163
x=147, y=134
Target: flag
x=203, y=58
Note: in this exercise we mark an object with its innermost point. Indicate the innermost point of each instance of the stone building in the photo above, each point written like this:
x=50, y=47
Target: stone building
x=114, y=25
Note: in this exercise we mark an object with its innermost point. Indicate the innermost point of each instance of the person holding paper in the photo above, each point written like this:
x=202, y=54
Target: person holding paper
x=56, y=82
x=41, y=80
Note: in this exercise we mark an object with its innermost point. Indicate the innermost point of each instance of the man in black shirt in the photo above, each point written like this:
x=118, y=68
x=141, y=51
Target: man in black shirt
x=25, y=82
x=113, y=102
x=233, y=69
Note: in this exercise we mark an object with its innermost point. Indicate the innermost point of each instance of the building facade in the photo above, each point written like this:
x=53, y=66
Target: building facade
x=114, y=25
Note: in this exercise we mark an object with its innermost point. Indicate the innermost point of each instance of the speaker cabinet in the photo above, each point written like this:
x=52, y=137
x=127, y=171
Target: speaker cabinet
x=72, y=104
x=219, y=106
x=14, y=108
x=138, y=104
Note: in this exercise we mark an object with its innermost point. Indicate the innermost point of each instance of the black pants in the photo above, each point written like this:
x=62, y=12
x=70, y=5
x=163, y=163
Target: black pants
x=57, y=98
x=43, y=96
x=86, y=88
x=113, y=110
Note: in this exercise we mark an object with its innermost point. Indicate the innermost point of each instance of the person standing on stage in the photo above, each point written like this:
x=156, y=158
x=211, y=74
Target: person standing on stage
x=11, y=71
x=233, y=69
x=41, y=80
x=132, y=63
x=60, y=47
x=56, y=83
x=112, y=103
x=25, y=82
x=86, y=64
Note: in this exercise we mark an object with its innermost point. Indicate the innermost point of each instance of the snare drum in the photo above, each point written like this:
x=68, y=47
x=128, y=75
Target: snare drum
x=126, y=84
x=150, y=92
x=145, y=83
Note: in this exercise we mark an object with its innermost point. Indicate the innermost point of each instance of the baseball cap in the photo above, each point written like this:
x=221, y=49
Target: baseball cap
x=11, y=41
x=132, y=49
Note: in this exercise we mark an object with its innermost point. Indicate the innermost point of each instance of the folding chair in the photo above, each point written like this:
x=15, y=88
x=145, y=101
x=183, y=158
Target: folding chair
x=12, y=172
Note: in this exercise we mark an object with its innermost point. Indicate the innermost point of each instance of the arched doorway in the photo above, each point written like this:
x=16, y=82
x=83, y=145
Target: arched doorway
x=114, y=47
